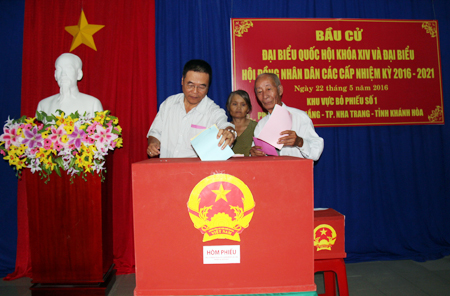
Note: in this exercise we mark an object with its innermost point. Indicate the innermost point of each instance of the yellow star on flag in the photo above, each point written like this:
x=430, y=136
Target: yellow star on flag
x=221, y=193
x=82, y=33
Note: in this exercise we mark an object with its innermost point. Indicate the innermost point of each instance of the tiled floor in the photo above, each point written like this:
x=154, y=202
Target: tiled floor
x=404, y=277
x=400, y=278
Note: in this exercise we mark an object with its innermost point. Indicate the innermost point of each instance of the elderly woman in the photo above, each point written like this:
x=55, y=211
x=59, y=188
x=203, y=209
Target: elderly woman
x=239, y=106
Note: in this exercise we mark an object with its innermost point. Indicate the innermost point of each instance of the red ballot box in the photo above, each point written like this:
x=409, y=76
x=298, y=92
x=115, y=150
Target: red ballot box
x=329, y=234
x=241, y=226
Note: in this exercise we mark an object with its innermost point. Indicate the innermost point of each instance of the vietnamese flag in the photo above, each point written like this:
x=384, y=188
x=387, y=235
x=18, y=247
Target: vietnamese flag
x=119, y=70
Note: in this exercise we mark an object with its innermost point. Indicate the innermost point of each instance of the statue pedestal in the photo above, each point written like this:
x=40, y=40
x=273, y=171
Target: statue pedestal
x=70, y=230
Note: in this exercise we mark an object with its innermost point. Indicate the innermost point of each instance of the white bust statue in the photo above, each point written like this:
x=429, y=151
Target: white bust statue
x=67, y=73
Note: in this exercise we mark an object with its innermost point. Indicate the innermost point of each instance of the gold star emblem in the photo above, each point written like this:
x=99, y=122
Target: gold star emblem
x=221, y=193
x=323, y=231
x=82, y=33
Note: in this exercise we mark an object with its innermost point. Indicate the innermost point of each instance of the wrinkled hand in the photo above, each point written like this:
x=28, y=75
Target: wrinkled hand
x=291, y=139
x=227, y=138
x=153, y=147
x=256, y=151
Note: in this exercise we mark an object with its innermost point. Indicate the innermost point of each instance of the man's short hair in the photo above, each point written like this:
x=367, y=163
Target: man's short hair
x=198, y=66
x=275, y=78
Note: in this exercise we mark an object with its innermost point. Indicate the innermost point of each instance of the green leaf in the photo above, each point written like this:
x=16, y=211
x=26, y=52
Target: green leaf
x=59, y=162
x=57, y=170
x=40, y=115
x=75, y=115
x=22, y=119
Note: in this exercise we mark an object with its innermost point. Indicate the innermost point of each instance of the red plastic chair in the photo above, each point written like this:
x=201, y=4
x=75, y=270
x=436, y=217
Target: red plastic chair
x=331, y=269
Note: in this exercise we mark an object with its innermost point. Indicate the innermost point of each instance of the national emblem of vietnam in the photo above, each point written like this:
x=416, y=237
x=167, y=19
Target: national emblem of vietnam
x=324, y=237
x=221, y=207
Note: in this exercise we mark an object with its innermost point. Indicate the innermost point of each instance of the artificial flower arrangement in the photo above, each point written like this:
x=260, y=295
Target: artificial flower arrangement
x=76, y=144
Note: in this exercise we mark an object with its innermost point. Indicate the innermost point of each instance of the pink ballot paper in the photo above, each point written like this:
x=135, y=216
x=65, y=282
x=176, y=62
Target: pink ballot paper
x=266, y=148
x=280, y=120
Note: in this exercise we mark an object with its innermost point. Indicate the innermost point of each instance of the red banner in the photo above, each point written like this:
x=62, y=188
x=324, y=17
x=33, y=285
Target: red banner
x=344, y=72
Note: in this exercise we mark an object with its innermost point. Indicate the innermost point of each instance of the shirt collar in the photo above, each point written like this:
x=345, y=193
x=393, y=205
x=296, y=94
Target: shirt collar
x=201, y=107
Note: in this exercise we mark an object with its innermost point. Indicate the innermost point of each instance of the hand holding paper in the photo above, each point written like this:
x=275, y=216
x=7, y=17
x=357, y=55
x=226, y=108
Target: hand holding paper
x=290, y=138
x=225, y=137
